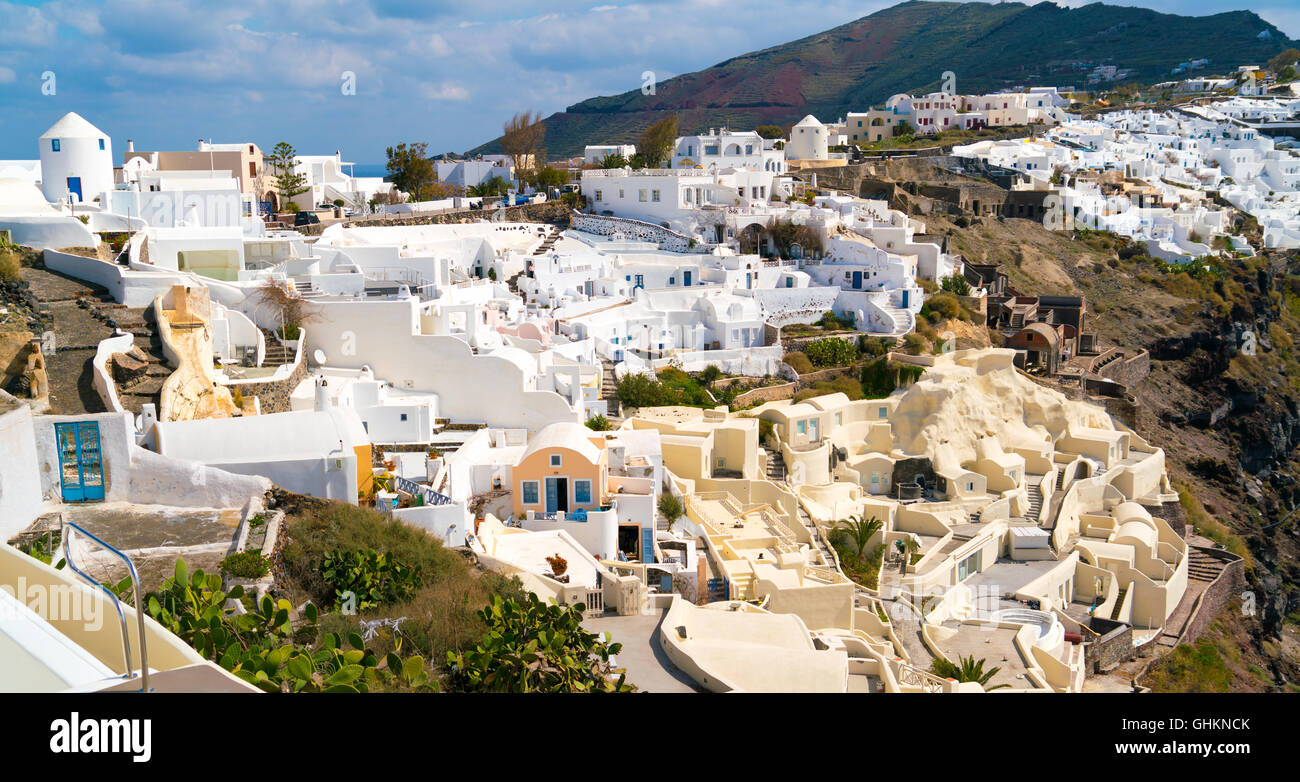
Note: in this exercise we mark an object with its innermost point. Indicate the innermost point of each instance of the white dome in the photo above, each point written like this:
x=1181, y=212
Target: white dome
x=72, y=125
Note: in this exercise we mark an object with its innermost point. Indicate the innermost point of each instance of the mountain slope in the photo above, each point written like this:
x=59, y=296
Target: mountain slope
x=907, y=48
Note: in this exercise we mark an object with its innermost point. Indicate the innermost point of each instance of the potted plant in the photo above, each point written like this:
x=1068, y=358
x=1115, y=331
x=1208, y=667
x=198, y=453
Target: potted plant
x=558, y=565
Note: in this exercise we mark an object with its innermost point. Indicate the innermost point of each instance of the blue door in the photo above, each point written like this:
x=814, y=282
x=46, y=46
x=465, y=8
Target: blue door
x=552, y=495
x=81, y=471
x=647, y=544
x=640, y=281
x=686, y=278
x=857, y=281
x=904, y=299
x=74, y=186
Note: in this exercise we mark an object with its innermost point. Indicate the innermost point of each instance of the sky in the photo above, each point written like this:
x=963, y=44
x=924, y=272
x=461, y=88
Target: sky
x=360, y=75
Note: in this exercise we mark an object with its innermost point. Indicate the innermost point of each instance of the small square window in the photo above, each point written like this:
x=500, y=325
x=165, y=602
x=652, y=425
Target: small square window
x=555, y=460
x=403, y=416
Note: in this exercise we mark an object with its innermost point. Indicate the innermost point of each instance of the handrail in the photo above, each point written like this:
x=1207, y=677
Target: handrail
x=117, y=603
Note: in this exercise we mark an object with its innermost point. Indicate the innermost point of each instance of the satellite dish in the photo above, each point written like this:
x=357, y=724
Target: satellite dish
x=318, y=356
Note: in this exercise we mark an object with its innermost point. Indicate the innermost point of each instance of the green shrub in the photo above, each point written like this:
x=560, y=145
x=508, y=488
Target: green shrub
x=944, y=305
x=246, y=564
x=532, y=646
x=671, y=507
x=798, y=362
x=599, y=423
x=914, y=344
x=956, y=284
x=831, y=352
x=265, y=648
x=292, y=208
x=373, y=578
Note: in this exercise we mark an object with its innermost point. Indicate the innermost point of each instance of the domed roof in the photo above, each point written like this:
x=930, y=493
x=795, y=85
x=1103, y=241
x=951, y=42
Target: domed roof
x=72, y=125
x=809, y=121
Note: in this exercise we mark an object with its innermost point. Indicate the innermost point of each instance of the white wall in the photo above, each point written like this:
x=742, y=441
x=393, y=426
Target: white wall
x=20, y=482
x=470, y=387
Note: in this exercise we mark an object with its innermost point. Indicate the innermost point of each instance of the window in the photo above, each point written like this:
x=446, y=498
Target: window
x=968, y=566
x=970, y=485
x=529, y=490
x=54, y=145
x=620, y=192
x=641, y=195
x=101, y=143
x=672, y=280
x=403, y=416
x=839, y=419
x=801, y=427
x=884, y=412
x=654, y=196
x=749, y=149
x=555, y=460
x=599, y=196
x=582, y=492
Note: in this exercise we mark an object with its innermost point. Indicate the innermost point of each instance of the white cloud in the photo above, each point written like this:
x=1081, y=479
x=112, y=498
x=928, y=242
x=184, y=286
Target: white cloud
x=444, y=91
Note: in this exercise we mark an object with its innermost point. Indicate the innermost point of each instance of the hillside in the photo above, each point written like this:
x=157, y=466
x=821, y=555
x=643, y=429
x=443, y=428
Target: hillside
x=907, y=48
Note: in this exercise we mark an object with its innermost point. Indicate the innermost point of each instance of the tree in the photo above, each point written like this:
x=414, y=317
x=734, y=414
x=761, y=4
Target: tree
x=492, y=186
x=861, y=531
x=670, y=507
x=283, y=160
x=522, y=141
x=548, y=176
x=637, y=161
x=1283, y=59
x=710, y=373
x=638, y=390
x=957, y=284
x=655, y=143
x=770, y=131
x=293, y=308
x=612, y=160
x=904, y=131
x=531, y=646
x=970, y=670
x=411, y=170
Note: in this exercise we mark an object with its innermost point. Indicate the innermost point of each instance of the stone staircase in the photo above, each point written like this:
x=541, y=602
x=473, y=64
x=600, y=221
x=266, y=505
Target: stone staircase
x=1035, y=498
x=1119, y=604
x=903, y=319
x=1202, y=566
x=609, y=391
x=549, y=242
x=139, y=322
x=775, y=465
x=301, y=284
x=276, y=353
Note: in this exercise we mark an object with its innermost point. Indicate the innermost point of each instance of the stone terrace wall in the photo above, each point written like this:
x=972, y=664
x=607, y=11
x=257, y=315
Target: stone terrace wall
x=635, y=230
x=273, y=396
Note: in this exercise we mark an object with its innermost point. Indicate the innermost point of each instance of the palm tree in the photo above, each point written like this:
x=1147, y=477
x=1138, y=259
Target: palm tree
x=970, y=670
x=861, y=531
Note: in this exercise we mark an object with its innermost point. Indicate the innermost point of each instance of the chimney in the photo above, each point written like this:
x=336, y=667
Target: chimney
x=322, y=396
x=130, y=145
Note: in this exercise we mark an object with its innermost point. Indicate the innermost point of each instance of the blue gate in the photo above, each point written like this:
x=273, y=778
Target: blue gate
x=80, y=467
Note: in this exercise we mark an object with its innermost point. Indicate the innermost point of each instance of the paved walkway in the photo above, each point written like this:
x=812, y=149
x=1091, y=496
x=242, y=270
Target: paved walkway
x=648, y=667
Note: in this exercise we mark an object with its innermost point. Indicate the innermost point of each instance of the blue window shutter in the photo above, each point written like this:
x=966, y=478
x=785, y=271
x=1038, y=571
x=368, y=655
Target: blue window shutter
x=647, y=544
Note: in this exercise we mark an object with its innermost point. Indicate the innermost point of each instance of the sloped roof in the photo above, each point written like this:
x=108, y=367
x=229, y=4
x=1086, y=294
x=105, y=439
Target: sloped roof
x=73, y=125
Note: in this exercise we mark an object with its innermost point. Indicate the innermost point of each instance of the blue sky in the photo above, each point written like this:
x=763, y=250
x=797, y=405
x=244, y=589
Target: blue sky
x=449, y=73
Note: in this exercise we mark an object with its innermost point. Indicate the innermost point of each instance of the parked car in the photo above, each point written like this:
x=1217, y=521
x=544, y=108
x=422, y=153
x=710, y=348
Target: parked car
x=305, y=218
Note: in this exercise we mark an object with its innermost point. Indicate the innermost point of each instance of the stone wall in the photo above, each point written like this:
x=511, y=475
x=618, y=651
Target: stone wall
x=1217, y=595
x=554, y=212
x=766, y=394
x=634, y=230
x=273, y=396
x=1113, y=648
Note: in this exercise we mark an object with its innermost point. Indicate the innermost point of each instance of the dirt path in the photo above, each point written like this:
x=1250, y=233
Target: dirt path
x=76, y=336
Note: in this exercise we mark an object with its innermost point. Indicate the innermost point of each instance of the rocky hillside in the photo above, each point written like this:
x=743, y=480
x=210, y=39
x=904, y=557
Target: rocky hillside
x=1229, y=421
x=907, y=48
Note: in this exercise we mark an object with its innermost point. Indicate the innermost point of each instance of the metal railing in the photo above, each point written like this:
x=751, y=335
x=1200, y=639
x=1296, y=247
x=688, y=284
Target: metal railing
x=430, y=496
x=911, y=675
x=139, y=601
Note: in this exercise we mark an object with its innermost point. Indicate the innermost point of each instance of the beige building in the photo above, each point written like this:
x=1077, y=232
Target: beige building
x=243, y=161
